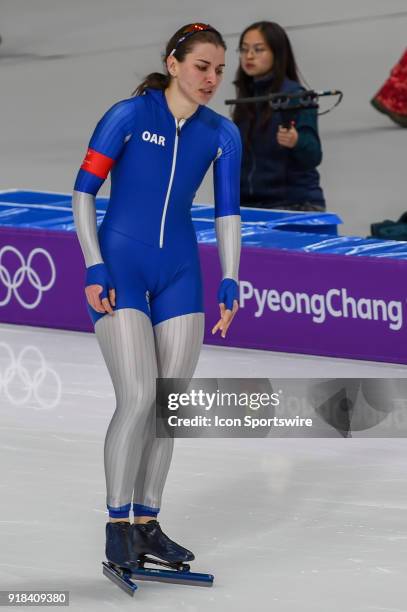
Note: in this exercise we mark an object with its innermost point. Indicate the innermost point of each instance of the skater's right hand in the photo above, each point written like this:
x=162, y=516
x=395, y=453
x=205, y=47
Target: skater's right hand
x=99, y=291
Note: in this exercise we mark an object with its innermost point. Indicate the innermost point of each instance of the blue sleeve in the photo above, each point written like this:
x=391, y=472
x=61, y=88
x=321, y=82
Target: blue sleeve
x=226, y=170
x=307, y=152
x=105, y=146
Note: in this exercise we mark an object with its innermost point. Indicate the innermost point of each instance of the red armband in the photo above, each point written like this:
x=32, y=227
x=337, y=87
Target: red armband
x=97, y=163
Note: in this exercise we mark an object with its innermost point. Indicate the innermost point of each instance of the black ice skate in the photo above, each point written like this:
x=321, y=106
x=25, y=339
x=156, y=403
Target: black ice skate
x=148, y=539
x=119, y=555
x=118, y=543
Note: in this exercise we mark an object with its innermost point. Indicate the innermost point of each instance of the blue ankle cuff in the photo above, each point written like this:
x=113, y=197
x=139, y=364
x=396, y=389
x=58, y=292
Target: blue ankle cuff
x=119, y=512
x=140, y=510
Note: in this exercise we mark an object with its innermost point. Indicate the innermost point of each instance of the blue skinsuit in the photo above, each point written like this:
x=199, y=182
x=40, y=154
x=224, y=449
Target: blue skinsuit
x=147, y=238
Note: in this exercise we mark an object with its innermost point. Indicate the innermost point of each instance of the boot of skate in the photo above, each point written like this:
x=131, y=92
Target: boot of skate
x=149, y=539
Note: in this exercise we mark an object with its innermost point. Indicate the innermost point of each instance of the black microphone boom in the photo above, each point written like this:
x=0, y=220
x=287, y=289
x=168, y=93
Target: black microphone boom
x=282, y=101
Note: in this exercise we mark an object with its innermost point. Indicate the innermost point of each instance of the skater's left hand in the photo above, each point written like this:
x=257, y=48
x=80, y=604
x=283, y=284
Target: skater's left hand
x=226, y=319
x=287, y=137
x=228, y=294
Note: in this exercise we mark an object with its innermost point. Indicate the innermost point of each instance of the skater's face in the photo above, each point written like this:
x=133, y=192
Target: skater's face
x=256, y=57
x=199, y=75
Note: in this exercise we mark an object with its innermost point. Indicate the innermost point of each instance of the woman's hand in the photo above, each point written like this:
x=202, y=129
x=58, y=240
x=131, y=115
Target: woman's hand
x=99, y=289
x=228, y=294
x=100, y=305
x=287, y=137
x=226, y=318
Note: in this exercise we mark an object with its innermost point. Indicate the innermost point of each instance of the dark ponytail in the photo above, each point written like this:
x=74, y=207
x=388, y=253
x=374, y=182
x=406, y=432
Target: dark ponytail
x=155, y=80
x=158, y=80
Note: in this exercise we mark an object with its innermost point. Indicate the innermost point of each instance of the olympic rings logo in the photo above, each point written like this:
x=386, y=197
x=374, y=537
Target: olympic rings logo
x=26, y=270
x=28, y=379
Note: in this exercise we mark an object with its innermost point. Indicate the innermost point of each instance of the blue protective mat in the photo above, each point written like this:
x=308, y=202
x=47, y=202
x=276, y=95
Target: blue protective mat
x=53, y=211
x=306, y=232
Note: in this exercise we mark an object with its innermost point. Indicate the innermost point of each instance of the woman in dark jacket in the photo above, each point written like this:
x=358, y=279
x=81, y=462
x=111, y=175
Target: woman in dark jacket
x=279, y=163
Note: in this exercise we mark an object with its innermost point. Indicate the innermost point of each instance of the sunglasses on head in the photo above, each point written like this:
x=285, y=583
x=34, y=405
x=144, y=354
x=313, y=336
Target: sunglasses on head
x=189, y=31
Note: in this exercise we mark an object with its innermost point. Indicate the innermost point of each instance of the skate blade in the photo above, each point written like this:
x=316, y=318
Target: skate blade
x=173, y=576
x=120, y=577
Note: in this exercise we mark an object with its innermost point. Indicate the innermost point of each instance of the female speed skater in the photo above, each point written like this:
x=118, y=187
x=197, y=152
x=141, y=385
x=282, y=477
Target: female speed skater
x=143, y=282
